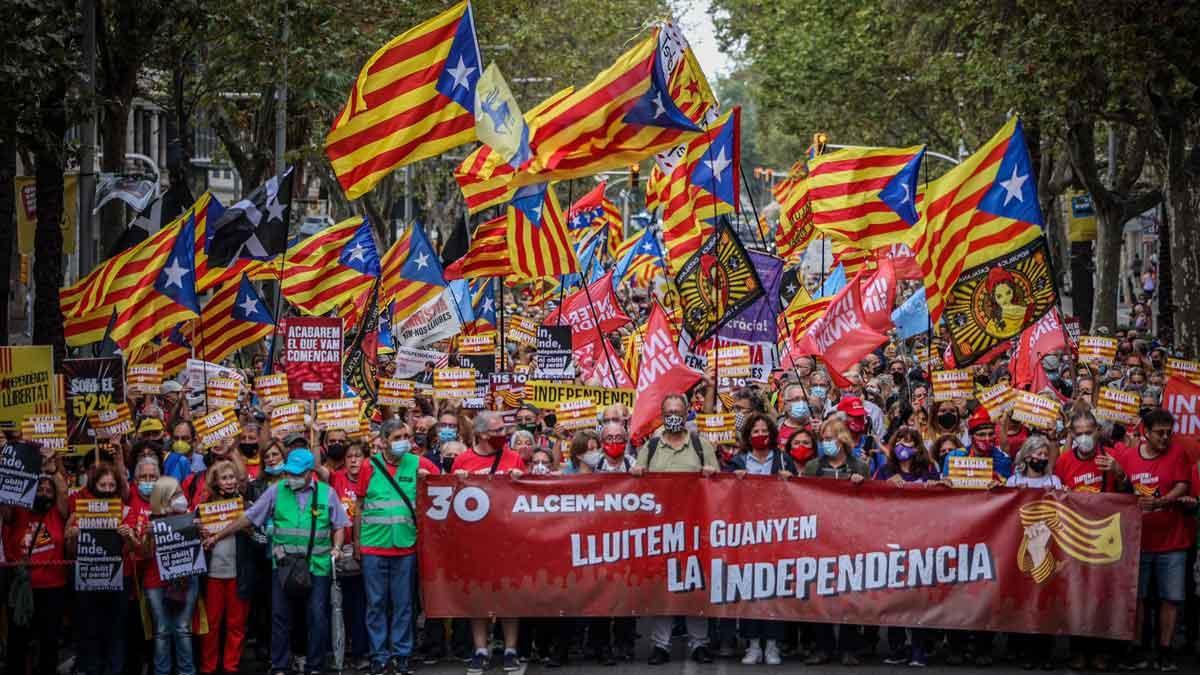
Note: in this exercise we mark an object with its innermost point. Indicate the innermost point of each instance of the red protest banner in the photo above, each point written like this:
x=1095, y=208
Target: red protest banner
x=808, y=550
x=1182, y=399
x=313, y=357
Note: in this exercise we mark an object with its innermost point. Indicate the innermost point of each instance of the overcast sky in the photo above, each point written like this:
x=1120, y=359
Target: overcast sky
x=698, y=27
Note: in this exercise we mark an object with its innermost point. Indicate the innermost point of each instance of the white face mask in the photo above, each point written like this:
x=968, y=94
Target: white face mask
x=179, y=504
x=296, y=482
x=592, y=458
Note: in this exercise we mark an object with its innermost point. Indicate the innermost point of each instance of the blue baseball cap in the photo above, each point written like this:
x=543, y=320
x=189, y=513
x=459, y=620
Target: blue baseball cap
x=299, y=461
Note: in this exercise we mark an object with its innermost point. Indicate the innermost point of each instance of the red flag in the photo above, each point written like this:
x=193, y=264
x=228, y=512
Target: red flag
x=1043, y=337
x=583, y=315
x=904, y=260
x=841, y=336
x=879, y=296
x=661, y=372
x=601, y=366
x=1180, y=398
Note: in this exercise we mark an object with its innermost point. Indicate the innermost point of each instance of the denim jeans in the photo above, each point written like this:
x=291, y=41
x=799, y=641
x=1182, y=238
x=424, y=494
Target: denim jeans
x=389, y=582
x=281, y=624
x=173, y=627
x=101, y=625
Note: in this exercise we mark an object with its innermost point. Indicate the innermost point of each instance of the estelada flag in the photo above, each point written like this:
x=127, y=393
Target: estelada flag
x=662, y=371
x=716, y=283
x=993, y=302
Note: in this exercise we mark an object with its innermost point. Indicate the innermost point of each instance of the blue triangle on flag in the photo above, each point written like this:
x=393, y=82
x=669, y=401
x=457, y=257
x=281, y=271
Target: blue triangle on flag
x=900, y=193
x=656, y=108
x=360, y=253
x=715, y=170
x=530, y=200
x=385, y=327
x=484, y=305
x=463, y=66
x=177, y=280
x=249, y=305
x=1014, y=192
x=177, y=338
x=422, y=264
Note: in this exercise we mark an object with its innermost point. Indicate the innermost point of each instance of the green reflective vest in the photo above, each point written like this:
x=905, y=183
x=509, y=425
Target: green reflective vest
x=387, y=522
x=293, y=524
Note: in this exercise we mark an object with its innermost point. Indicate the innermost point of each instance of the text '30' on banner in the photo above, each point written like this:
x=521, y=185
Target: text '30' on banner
x=1022, y=561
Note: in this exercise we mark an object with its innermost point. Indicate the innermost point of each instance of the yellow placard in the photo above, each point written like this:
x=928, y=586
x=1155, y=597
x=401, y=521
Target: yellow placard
x=26, y=194
x=546, y=394
x=49, y=431
x=216, y=516
x=144, y=379
x=340, y=413
x=952, y=385
x=1097, y=349
x=287, y=419
x=397, y=392
x=972, y=473
x=272, y=390
x=1118, y=406
x=27, y=383
x=1189, y=370
x=717, y=427
x=454, y=383
x=111, y=422
x=215, y=427
x=1035, y=411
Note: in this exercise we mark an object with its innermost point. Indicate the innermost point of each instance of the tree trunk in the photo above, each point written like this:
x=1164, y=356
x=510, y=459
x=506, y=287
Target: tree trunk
x=1183, y=214
x=8, y=219
x=1165, y=308
x=1109, y=226
x=48, y=240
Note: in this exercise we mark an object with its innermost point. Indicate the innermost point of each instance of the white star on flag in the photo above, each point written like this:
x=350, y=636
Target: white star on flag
x=488, y=306
x=249, y=305
x=718, y=165
x=460, y=73
x=647, y=247
x=1013, y=186
x=175, y=273
x=422, y=261
x=659, y=108
x=359, y=252
x=274, y=207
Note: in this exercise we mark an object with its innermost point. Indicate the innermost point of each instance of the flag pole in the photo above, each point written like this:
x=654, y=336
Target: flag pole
x=500, y=320
x=279, y=277
x=604, y=342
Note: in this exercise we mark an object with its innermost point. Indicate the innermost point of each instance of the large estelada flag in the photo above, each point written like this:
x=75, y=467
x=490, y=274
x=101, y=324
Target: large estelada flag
x=414, y=98
x=979, y=211
x=716, y=283
x=993, y=302
x=867, y=196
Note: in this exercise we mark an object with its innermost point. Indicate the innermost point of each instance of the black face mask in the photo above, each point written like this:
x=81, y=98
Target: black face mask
x=248, y=449
x=42, y=504
x=947, y=420
x=105, y=494
x=447, y=464
x=898, y=379
x=421, y=438
x=1039, y=465
x=335, y=451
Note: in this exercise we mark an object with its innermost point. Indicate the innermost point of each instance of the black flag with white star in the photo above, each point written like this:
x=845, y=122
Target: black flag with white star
x=255, y=227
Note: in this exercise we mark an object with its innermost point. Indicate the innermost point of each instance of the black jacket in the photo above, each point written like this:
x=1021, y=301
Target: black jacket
x=779, y=462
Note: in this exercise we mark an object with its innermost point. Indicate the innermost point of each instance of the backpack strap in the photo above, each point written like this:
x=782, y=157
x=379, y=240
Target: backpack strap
x=379, y=467
x=653, y=448
x=695, y=439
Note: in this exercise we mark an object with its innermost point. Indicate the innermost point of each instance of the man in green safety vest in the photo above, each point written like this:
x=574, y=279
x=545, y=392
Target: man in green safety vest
x=385, y=530
x=304, y=519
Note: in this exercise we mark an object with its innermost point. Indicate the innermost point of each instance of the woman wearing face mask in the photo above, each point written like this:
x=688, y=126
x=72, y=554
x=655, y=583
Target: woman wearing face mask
x=1032, y=469
x=835, y=461
x=584, y=452
x=101, y=613
x=541, y=463
x=171, y=603
x=521, y=443
x=760, y=456
x=231, y=580
x=195, y=488
x=248, y=447
x=615, y=442
x=908, y=464
x=37, y=537
x=178, y=462
x=802, y=447
x=946, y=420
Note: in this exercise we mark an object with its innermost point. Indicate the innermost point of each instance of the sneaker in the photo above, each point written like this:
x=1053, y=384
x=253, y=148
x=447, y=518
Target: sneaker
x=511, y=662
x=478, y=663
x=700, y=655
x=754, y=654
x=1167, y=664
x=658, y=656
x=433, y=656
x=378, y=669
x=401, y=666
x=771, y=654
x=896, y=657
x=919, y=658
x=1135, y=661
x=818, y=658
x=849, y=659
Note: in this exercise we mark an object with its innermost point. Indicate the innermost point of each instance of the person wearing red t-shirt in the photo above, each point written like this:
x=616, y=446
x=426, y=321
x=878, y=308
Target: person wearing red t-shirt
x=1088, y=466
x=1159, y=477
x=36, y=537
x=487, y=457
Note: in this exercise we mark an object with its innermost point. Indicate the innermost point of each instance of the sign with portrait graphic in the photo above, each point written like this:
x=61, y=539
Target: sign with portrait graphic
x=995, y=301
x=717, y=283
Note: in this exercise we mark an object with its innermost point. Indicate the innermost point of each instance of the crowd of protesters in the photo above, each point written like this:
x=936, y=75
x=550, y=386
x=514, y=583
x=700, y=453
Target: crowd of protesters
x=331, y=505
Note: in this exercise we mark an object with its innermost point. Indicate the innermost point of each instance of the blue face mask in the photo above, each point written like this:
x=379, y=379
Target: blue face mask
x=274, y=470
x=145, y=487
x=446, y=434
x=829, y=448
x=401, y=447
x=818, y=391
x=798, y=410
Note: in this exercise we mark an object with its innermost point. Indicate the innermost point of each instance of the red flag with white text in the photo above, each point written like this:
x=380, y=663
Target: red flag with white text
x=841, y=336
x=879, y=296
x=583, y=309
x=661, y=372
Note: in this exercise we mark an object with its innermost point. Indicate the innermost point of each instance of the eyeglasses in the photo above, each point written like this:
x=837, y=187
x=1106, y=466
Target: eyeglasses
x=540, y=462
x=614, y=439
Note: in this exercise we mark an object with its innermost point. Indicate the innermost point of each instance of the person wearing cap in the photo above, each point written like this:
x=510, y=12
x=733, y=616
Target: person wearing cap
x=294, y=440
x=983, y=444
x=171, y=394
x=291, y=505
x=150, y=429
x=866, y=446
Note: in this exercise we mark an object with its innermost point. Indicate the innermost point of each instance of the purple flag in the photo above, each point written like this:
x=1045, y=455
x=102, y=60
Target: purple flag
x=756, y=323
